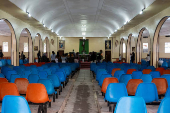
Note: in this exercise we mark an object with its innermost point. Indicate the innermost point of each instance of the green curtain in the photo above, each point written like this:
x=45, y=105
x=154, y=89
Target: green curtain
x=86, y=46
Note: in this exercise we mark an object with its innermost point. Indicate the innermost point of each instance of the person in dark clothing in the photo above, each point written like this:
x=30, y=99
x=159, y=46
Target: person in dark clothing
x=39, y=56
x=19, y=55
x=1, y=54
x=133, y=57
x=93, y=56
x=44, y=58
x=22, y=56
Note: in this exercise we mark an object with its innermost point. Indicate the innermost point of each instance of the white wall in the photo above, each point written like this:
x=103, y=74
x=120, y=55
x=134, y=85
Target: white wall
x=6, y=39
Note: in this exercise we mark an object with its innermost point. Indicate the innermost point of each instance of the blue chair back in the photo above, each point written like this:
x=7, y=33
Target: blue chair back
x=165, y=64
x=103, y=77
x=48, y=84
x=164, y=106
x=1, y=75
x=33, y=78
x=147, y=78
x=155, y=74
x=167, y=94
x=34, y=71
x=43, y=74
x=61, y=76
x=131, y=104
x=13, y=77
x=136, y=74
x=48, y=71
x=9, y=73
x=167, y=76
x=15, y=104
x=118, y=74
x=56, y=81
x=151, y=67
x=115, y=91
x=26, y=74
x=99, y=73
x=40, y=68
x=125, y=78
x=148, y=91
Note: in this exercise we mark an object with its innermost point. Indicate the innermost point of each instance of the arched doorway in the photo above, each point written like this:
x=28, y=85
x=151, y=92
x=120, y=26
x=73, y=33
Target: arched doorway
x=122, y=49
x=161, y=41
x=8, y=42
x=46, y=47
x=25, y=45
x=130, y=47
x=37, y=46
x=143, y=44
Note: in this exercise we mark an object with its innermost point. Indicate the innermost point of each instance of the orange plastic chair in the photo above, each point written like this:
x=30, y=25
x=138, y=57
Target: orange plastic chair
x=160, y=69
x=146, y=71
x=166, y=72
x=22, y=84
x=37, y=93
x=9, y=89
x=114, y=70
x=132, y=86
x=106, y=82
x=130, y=71
x=161, y=84
x=2, y=80
x=139, y=62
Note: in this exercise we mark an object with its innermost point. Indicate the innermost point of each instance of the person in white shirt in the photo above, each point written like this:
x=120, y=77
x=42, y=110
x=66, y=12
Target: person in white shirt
x=53, y=57
x=56, y=59
x=120, y=58
x=148, y=57
x=64, y=59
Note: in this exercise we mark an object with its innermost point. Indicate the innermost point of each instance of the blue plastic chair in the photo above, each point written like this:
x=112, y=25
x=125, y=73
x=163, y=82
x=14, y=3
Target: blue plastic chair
x=164, y=106
x=167, y=94
x=34, y=71
x=151, y=67
x=55, y=80
x=9, y=73
x=131, y=105
x=103, y=77
x=33, y=66
x=33, y=78
x=118, y=74
x=147, y=78
x=15, y=104
x=26, y=74
x=155, y=74
x=40, y=68
x=13, y=77
x=49, y=87
x=27, y=68
x=48, y=71
x=125, y=78
x=61, y=76
x=136, y=74
x=148, y=91
x=165, y=64
x=115, y=91
x=99, y=73
x=167, y=76
x=1, y=75
x=43, y=74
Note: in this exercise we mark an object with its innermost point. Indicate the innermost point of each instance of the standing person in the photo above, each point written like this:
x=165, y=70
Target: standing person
x=133, y=57
x=74, y=53
x=1, y=54
x=148, y=59
x=19, y=55
x=56, y=59
x=44, y=58
x=39, y=56
x=22, y=56
x=53, y=56
x=120, y=58
x=63, y=58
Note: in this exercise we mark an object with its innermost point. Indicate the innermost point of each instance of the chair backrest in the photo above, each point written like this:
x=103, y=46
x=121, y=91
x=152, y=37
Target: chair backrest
x=37, y=93
x=15, y=104
x=132, y=86
x=26, y=74
x=146, y=78
x=125, y=78
x=166, y=72
x=137, y=74
x=146, y=71
x=103, y=77
x=160, y=69
x=22, y=84
x=55, y=80
x=106, y=82
x=3, y=80
x=164, y=106
x=33, y=78
x=40, y=68
x=148, y=91
x=155, y=74
x=151, y=67
x=34, y=71
x=114, y=70
x=161, y=84
x=9, y=73
x=48, y=71
x=99, y=73
x=167, y=94
x=131, y=105
x=61, y=76
x=130, y=71
x=43, y=74
x=115, y=91
x=167, y=78
x=48, y=84
x=9, y=89
x=2, y=75
x=13, y=77
x=118, y=74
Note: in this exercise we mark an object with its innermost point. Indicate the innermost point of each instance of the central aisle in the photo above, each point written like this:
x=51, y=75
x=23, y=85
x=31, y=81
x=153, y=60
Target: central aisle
x=81, y=99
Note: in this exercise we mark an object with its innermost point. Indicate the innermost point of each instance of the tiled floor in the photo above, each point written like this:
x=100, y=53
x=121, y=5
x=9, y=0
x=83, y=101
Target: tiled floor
x=82, y=99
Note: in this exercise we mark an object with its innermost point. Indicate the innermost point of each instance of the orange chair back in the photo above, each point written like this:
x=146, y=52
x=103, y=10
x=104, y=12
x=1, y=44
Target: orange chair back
x=161, y=84
x=166, y=72
x=130, y=71
x=114, y=70
x=9, y=89
x=22, y=84
x=160, y=69
x=3, y=80
x=106, y=82
x=132, y=86
x=146, y=71
x=37, y=93
x=139, y=62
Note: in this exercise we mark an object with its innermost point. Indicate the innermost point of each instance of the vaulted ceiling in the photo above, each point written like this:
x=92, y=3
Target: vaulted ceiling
x=66, y=17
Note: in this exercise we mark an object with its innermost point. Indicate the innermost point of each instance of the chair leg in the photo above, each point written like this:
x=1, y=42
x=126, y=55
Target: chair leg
x=39, y=109
x=49, y=104
x=61, y=89
x=44, y=110
x=108, y=104
x=54, y=97
x=110, y=108
x=57, y=96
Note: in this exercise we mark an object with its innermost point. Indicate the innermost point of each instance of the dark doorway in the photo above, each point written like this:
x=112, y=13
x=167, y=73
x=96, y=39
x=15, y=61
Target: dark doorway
x=108, y=56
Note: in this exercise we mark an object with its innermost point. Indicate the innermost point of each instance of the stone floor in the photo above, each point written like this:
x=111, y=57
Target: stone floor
x=82, y=98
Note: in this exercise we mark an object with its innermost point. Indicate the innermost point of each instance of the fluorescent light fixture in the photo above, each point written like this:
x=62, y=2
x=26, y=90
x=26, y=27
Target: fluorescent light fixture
x=141, y=12
x=51, y=30
x=115, y=30
x=60, y=37
x=83, y=25
x=83, y=29
x=44, y=25
x=108, y=37
x=83, y=33
x=29, y=14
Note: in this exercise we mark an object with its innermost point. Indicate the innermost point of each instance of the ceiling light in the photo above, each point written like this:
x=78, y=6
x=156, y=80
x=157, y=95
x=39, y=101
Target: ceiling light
x=60, y=37
x=115, y=30
x=108, y=37
x=83, y=25
x=83, y=33
x=29, y=14
x=141, y=12
x=83, y=29
x=44, y=25
x=51, y=30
